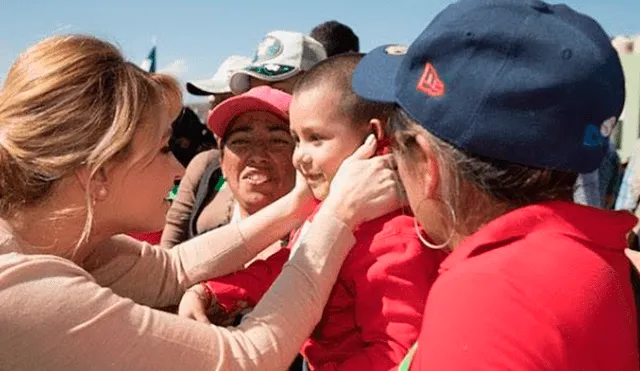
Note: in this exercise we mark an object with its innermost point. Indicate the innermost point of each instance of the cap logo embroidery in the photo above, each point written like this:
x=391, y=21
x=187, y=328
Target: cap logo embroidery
x=269, y=48
x=594, y=136
x=430, y=83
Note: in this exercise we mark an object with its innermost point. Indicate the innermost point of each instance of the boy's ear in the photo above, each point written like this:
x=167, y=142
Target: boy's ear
x=377, y=128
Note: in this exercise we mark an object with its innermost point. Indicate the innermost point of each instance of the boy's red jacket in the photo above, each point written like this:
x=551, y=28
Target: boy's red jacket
x=374, y=312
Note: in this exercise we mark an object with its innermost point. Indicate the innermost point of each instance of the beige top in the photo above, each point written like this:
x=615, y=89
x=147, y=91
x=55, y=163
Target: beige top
x=56, y=315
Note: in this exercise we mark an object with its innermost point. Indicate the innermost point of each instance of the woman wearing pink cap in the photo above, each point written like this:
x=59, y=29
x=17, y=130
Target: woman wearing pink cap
x=251, y=170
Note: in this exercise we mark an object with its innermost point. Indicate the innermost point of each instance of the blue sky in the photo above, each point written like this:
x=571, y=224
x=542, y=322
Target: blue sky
x=194, y=36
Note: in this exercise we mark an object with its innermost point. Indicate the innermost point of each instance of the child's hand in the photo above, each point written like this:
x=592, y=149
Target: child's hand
x=364, y=188
x=218, y=316
x=194, y=304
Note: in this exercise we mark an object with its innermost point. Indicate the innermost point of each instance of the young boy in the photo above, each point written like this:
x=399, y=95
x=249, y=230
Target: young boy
x=374, y=313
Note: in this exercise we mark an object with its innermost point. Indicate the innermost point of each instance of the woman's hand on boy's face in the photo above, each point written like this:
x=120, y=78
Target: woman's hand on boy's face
x=365, y=188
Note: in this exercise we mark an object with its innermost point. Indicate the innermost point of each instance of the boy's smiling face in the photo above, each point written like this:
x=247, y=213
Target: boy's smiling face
x=324, y=136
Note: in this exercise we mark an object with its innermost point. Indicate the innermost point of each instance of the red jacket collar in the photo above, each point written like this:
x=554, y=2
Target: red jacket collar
x=604, y=228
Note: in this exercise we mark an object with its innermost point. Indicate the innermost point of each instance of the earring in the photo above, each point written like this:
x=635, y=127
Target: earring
x=428, y=244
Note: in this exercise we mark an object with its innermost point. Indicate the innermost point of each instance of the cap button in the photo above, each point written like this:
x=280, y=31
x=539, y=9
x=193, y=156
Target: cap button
x=540, y=6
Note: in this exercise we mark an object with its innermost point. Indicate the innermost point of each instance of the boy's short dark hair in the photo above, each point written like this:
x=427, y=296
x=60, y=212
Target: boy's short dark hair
x=335, y=72
x=337, y=38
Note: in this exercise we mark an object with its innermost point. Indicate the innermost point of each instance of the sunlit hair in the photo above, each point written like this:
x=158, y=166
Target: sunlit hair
x=68, y=103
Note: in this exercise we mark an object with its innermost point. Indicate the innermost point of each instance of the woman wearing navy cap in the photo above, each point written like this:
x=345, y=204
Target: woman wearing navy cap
x=501, y=104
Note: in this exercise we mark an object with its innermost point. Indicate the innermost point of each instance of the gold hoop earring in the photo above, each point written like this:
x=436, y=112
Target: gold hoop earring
x=419, y=229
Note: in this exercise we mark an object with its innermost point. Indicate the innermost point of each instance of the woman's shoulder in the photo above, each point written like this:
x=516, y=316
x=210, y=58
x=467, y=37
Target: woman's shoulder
x=22, y=264
x=36, y=286
x=23, y=268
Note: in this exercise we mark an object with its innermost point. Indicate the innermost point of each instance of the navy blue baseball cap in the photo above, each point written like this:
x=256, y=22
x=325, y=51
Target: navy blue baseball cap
x=516, y=80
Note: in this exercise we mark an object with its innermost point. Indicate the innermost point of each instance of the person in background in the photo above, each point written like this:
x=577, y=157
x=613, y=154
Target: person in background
x=217, y=88
x=189, y=137
x=587, y=189
x=279, y=60
x=337, y=38
x=83, y=159
x=251, y=170
x=599, y=188
x=610, y=176
x=498, y=110
x=627, y=199
x=629, y=192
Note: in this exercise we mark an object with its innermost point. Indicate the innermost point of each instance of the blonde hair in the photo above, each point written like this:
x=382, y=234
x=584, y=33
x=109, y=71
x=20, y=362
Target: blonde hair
x=70, y=102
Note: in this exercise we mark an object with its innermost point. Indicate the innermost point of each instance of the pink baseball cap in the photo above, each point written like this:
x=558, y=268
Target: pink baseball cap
x=261, y=98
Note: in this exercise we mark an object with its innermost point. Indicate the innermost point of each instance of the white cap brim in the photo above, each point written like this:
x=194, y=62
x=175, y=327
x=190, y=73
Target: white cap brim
x=208, y=87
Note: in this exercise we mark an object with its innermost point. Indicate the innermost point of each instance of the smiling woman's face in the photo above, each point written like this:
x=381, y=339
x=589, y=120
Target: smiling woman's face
x=256, y=159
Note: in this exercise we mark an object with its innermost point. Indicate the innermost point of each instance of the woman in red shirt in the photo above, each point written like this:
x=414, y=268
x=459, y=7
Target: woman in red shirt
x=501, y=104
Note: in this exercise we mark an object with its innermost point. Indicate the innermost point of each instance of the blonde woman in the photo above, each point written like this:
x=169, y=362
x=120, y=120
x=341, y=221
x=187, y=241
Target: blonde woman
x=83, y=158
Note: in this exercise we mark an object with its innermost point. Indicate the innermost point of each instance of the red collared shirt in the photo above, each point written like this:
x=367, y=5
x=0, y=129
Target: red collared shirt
x=543, y=287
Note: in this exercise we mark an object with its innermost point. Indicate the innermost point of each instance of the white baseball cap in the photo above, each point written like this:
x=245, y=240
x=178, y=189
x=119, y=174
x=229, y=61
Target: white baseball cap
x=219, y=83
x=279, y=56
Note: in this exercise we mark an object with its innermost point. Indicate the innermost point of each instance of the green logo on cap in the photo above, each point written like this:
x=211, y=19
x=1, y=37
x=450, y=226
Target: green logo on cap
x=269, y=48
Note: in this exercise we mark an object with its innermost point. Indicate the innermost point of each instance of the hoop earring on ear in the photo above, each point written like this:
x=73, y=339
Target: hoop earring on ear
x=428, y=244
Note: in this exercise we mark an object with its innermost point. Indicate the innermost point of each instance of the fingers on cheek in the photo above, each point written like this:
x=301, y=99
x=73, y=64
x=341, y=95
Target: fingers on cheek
x=380, y=163
x=381, y=169
x=386, y=184
x=390, y=174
